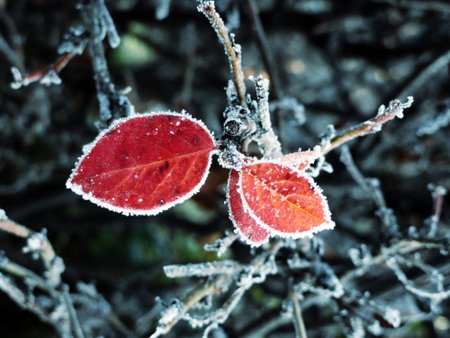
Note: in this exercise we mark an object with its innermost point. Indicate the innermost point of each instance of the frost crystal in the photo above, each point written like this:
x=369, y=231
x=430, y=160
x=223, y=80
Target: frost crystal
x=50, y=78
x=3, y=216
x=393, y=317
x=36, y=243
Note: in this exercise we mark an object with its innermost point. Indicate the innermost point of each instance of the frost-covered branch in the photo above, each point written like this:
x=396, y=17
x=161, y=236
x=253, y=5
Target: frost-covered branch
x=232, y=49
x=46, y=295
x=74, y=44
x=266, y=139
x=435, y=297
x=244, y=277
x=394, y=109
x=266, y=51
x=98, y=22
x=297, y=317
x=372, y=187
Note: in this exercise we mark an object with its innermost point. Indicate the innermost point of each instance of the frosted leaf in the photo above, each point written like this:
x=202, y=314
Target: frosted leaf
x=193, y=149
x=357, y=328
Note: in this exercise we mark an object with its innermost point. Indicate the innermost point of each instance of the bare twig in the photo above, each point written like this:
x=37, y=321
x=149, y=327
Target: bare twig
x=232, y=50
x=299, y=325
x=46, y=76
x=97, y=20
x=417, y=84
x=266, y=52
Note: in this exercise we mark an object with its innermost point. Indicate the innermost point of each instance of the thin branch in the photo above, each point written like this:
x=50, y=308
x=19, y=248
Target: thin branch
x=13, y=228
x=76, y=327
x=395, y=109
x=232, y=50
x=436, y=67
x=403, y=247
x=46, y=76
x=299, y=325
x=266, y=52
x=267, y=140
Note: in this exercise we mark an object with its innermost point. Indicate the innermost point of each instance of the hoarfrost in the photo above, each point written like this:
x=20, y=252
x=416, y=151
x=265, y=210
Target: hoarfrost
x=393, y=317
x=221, y=245
x=36, y=243
x=360, y=256
x=228, y=267
x=3, y=216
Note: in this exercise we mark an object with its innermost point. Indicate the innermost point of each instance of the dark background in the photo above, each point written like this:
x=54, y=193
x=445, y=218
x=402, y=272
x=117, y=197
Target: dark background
x=341, y=59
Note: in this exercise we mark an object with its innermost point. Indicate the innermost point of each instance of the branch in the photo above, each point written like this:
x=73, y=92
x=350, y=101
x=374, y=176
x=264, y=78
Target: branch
x=395, y=109
x=232, y=50
x=300, y=330
x=266, y=52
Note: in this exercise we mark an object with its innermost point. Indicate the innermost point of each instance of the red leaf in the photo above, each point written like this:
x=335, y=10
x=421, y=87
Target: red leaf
x=144, y=164
x=284, y=200
x=247, y=228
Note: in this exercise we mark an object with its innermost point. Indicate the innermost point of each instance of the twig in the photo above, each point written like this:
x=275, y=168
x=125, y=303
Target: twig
x=76, y=327
x=417, y=85
x=299, y=325
x=232, y=50
x=13, y=228
x=395, y=109
x=403, y=247
x=218, y=284
x=267, y=140
x=372, y=188
x=266, y=52
x=97, y=20
x=46, y=76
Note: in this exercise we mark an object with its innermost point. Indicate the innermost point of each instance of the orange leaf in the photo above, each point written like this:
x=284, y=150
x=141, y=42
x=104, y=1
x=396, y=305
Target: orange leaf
x=284, y=200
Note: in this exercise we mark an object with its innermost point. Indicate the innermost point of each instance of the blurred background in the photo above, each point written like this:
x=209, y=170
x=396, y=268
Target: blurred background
x=335, y=62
